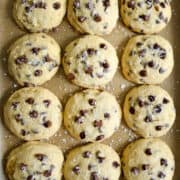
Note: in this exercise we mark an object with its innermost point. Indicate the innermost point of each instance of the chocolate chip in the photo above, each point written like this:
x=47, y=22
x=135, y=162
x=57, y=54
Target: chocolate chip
x=23, y=132
x=151, y=98
x=100, y=137
x=148, y=151
x=30, y=177
x=105, y=65
x=163, y=162
x=165, y=101
x=90, y=167
x=40, y=157
x=100, y=157
x=162, y=5
x=87, y=154
x=83, y=112
x=115, y=164
x=82, y=135
x=41, y=5
x=161, y=175
x=142, y=53
x=161, y=70
x=106, y=3
x=76, y=4
x=56, y=5
x=22, y=166
x=47, y=58
x=21, y=60
x=94, y=176
x=145, y=167
x=148, y=119
x=157, y=108
x=18, y=117
x=89, y=70
x=14, y=105
x=158, y=128
x=47, y=173
x=131, y=4
x=38, y=72
x=135, y=170
x=103, y=46
x=162, y=54
x=151, y=64
x=106, y=115
x=91, y=51
x=92, y=102
x=35, y=50
x=140, y=103
x=27, y=9
x=71, y=76
x=47, y=124
x=78, y=119
x=132, y=110
x=143, y=73
x=139, y=44
x=144, y=17
x=81, y=18
x=98, y=123
x=30, y=100
x=76, y=169
x=89, y=5
x=97, y=18
x=33, y=114
x=47, y=103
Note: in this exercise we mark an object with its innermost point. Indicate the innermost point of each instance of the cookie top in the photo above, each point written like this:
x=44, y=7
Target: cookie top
x=90, y=61
x=146, y=17
x=39, y=15
x=147, y=59
x=148, y=159
x=93, y=17
x=92, y=115
x=33, y=113
x=35, y=160
x=34, y=59
x=91, y=162
x=149, y=111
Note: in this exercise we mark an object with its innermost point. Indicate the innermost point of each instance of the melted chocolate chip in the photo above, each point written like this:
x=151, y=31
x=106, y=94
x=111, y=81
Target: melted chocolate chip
x=30, y=100
x=132, y=110
x=145, y=167
x=14, y=105
x=106, y=3
x=98, y=123
x=97, y=18
x=40, y=5
x=151, y=98
x=21, y=60
x=135, y=170
x=151, y=64
x=40, y=157
x=100, y=137
x=165, y=101
x=103, y=46
x=158, y=128
x=157, y=109
x=163, y=162
x=89, y=70
x=47, y=58
x=94, y=176
x=86, y=154
x=33, y=114
x=83, y=112
x=82, y=135
x=38, y=72
x=56, y=5
x=47, y=173
x=144, y=17
x=30, y=177
x=143, y=73
x=22, y=166
x=35, y=50
x=18, y=117
x=47, y=124
x=161, y=175
x=115, y=164
x=47, y=103
x=148, y=119
x=76, y=169
x=106, y=115
x=78, y=119
x=23, y=132
x=131, y=4
x=148, y=151
x=92, y=102
x=91, y=51
x=76, y=4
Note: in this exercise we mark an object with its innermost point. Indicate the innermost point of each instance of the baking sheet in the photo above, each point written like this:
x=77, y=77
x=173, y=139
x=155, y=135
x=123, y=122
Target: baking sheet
x=9, y=32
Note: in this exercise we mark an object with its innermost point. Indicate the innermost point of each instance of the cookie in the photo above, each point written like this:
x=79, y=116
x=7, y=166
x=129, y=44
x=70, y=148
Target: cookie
x=34, y=59
x=90, y=62
x=92, y=161
x=33, y=113
x=93, y=17
x=39, y=15
x=149, y=111
x=92, y=115
x=35, y=160
x=146, y=17
x=148, y=159
x=147, y=59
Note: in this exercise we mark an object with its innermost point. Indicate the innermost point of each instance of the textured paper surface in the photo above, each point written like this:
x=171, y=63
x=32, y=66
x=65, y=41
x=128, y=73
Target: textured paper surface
x=9, y=32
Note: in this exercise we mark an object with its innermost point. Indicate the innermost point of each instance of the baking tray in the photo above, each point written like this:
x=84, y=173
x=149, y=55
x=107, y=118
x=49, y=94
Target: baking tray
x=64, y=34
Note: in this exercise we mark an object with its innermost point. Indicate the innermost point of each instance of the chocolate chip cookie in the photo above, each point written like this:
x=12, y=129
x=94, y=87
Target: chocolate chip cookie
x=35, y=160
x=93, y=17
x=39, y=15
x=90, y=62
x=147, y=16
x=34, y=59
x=149, y=111
x=148, y=159
x=147, y=59
x=33, y=113
x=92, y=161
x=92, y=115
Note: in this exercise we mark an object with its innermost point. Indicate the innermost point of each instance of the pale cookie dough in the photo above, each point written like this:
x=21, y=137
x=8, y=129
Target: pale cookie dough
x=34, y=59
x=148, y=159
x=147, y=59
x=92, y=115
x=148, y=17
x=149, y=111
x=92, y=162
x=33, y=113
x=39, y=15
x=93, y=17
x=90, y=62
x=35, y=161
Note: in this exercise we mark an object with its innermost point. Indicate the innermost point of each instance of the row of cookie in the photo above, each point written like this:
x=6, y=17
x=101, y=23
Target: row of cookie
x=142, y=159
x=90, y=115
x=93, y=17
x=90, y=61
